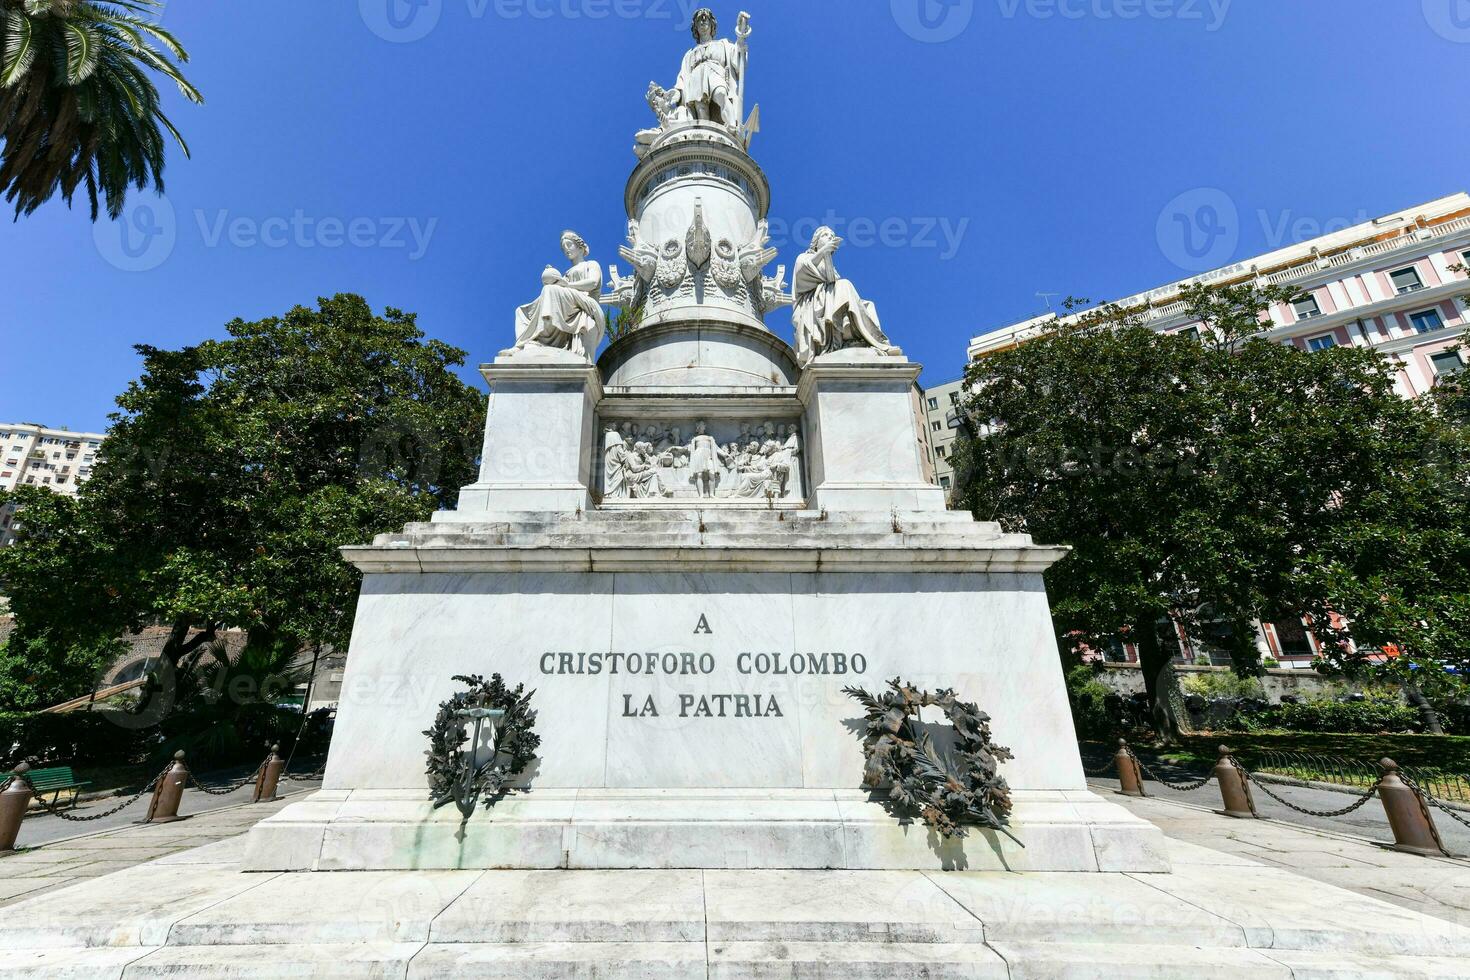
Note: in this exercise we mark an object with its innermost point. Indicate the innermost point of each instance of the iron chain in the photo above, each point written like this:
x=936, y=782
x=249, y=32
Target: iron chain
x=227, y=788
x=1344, y=811
x=1425, y=797
x=1179, y=788
x=55, y=811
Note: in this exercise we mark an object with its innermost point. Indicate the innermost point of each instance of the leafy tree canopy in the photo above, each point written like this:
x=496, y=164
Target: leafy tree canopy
x=1212, y=480
x=233, y=473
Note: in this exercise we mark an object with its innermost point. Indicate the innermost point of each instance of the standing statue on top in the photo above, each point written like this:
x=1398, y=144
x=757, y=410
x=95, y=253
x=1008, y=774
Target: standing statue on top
x=711, y=85
x=567, y=315
x=829, y=314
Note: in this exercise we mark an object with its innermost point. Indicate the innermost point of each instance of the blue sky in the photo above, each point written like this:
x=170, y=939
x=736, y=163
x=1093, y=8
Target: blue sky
x=1004, y=148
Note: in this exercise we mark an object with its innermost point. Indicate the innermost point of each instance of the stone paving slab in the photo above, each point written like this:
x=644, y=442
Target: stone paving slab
x=357, y=961
x=72, y=964
x=594, y=906
x=1072, y=907
x=531, y=961
x=1100, y=961
x=844, y=961
x=136, y=907
x=66, y=862
x=834, y=906
x=1434, y=886
x=312, y=909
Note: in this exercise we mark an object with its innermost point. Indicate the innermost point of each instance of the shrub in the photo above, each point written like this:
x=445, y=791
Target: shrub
x=1221, y=684
x=80, y=738
x=1088, y=697
x=1270, y=663
x=1375, y=713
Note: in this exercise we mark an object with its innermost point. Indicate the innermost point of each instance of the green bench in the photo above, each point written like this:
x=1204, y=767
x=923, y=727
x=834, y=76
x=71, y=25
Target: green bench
x=55, y=781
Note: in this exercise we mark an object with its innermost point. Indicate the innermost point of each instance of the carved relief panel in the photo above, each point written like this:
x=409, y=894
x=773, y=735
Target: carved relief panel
x=717, y=460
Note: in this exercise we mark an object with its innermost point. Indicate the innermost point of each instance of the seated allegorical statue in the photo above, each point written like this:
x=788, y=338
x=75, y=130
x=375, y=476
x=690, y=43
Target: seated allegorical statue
x=829, y=314
x=567, y=315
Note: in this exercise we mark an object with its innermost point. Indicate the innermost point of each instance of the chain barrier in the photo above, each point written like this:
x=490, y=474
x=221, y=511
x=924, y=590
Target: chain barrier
x=228, y=788
x=1178, y=788
x=1344, y=811
x=57, y=812
x=1102, y=770
x=306, y=777
x=1425, y=796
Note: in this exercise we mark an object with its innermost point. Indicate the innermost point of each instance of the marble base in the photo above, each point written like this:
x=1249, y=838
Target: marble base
x=1216, y=916
x=603, y=830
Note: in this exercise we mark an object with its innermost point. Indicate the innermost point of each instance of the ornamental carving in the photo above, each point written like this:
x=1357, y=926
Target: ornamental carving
x=721, y=460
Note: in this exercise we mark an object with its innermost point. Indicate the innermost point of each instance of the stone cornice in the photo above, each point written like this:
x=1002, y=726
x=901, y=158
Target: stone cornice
x=392, y=559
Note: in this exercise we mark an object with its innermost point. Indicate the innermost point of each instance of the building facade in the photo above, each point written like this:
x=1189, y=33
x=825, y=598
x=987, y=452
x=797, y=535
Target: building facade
x=34, y=455
x=1396, y=284
x=938, y=404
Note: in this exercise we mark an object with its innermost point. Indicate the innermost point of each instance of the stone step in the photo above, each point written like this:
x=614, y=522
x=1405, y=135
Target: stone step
x=717, y=961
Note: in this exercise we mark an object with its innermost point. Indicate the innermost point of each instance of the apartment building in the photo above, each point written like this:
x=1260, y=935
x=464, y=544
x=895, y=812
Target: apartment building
x=1396, y=284
x=34, y=455
x=938, y=404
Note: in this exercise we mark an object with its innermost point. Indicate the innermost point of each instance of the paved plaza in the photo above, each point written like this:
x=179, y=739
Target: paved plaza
x=1245, y=899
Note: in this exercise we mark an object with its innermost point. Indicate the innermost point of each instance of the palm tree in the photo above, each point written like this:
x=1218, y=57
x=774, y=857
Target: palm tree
x=77, y=101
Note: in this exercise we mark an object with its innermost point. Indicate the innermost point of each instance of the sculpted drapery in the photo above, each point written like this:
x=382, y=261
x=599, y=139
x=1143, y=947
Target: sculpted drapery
x=567, y=314
x=829, y=314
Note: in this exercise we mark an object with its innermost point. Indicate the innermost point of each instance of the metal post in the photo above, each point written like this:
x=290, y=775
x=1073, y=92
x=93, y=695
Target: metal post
x=1235, y=789
x=1130, y=777
x=170, y=790
x=1408, y=814
x=270, y=775
x=13, y=805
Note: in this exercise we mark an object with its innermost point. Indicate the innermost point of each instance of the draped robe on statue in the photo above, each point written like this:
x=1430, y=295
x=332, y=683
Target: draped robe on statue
x=709, y=66
x=567, y=314
x=829, y=314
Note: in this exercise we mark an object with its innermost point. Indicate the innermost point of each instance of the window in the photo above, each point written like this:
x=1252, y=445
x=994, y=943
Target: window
x=1306, y=308
x=1445, y=363
x=933, y=403
x=944, y=482
x=1322, y=343
x=7, y=473
x=56, y=455
x=1426, y=320
x=93, y=443
x=939, y=451
x=1465, y=261
x=954, y=397
x=1190, y=334
x=1406, y=280
x=937, y=426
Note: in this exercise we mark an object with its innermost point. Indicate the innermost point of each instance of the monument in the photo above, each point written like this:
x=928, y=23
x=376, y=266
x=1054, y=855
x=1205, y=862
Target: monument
x=688, y=545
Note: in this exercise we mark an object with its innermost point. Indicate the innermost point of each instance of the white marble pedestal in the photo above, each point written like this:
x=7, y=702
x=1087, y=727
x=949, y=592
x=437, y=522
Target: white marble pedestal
x=538, y=435
x=860, y=421
x=689, y=669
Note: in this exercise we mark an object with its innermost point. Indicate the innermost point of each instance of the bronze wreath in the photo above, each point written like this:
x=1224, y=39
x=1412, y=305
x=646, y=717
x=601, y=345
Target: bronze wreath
x=949, y=789
x=452, y=775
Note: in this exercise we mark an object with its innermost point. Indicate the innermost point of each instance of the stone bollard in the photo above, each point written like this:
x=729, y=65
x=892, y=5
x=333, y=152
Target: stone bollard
x=270, y=775
x=1235, y=789
x=1130, y=777
x=164, y=808
x=1408, y=814
x=13, y=804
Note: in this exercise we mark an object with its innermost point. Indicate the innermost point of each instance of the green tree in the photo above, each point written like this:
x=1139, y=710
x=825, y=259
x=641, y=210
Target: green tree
x=78, y=107
x=233, y=473
x=1195, y=477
